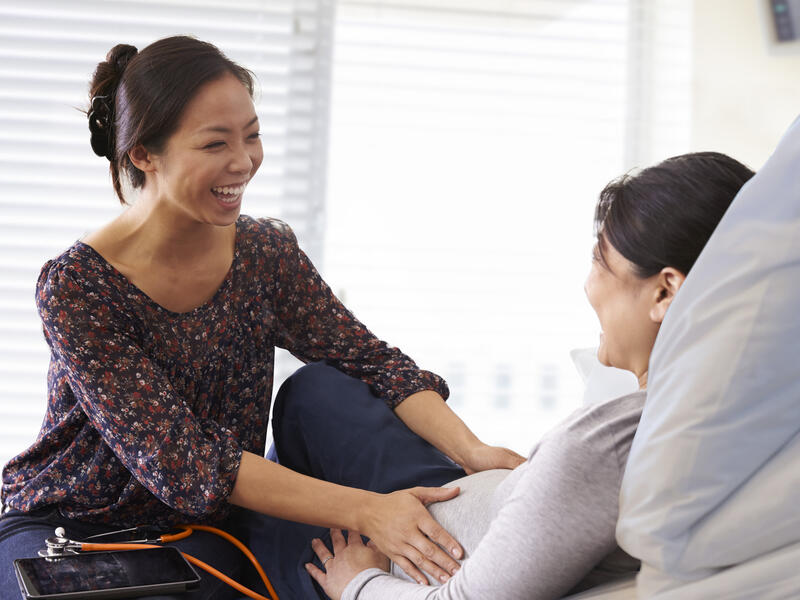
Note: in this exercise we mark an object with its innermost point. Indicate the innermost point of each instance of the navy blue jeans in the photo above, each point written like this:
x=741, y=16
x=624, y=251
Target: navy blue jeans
x=326, y=425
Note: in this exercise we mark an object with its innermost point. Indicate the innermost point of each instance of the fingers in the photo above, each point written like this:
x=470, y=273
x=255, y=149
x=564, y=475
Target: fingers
x=439, y=534
x=409, y=569
x=431, y=558
x=322, y=552
x=428, y=495
x=422, y=551
x=406, y=539
x=354, y=539
x=320, y=549
x=338, y=540
x=421, y=554
x=318, y=575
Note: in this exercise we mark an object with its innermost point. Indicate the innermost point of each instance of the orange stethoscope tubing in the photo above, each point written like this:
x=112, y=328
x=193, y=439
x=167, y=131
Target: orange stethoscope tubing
x=186, y=532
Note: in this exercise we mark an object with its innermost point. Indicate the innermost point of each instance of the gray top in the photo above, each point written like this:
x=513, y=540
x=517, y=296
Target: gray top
x=540, y=531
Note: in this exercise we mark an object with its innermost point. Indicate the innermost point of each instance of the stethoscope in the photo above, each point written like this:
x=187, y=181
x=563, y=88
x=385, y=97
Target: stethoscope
x=60, y=545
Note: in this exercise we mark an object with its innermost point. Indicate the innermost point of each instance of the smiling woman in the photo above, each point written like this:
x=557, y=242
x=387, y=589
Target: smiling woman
x=162, y=327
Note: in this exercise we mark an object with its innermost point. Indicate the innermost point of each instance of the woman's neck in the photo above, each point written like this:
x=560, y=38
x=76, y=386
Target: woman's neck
x=171, y=238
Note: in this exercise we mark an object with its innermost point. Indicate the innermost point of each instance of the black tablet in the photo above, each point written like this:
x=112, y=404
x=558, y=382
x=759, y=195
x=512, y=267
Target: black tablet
x=101, y=575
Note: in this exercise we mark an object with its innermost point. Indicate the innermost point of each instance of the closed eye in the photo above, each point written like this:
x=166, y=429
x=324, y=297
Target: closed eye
x=252, y=136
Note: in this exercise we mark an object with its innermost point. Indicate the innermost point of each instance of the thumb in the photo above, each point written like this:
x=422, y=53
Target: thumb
x=428, y=495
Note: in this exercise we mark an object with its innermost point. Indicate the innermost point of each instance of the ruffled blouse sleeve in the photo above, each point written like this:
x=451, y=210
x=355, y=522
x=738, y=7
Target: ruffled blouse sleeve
x=188, y=463
x=315, y=325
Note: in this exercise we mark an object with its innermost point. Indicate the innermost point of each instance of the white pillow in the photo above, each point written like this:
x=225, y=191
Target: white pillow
x=602, y=383
x=712, y=478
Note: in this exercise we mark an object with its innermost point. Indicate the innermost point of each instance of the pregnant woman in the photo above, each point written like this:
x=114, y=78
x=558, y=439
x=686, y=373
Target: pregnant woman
x=546, y=528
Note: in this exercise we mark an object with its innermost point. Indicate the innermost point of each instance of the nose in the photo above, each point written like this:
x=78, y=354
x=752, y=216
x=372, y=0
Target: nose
x=242, y=161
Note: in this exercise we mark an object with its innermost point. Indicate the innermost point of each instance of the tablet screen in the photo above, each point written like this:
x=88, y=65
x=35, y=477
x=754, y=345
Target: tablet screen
x=106, y=570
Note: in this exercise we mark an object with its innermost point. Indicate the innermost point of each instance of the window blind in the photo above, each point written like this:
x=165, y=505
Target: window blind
x=469, y=141
x=54, y=189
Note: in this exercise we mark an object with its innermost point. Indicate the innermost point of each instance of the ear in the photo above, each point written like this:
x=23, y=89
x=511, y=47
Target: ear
x=142, y=159
x=668, y=282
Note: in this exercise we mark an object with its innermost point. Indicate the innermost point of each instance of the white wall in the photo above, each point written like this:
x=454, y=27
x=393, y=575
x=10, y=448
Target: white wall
x=744, y=96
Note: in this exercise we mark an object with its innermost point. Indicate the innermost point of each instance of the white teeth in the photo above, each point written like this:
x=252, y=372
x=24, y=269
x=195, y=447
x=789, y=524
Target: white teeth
x=229, y=190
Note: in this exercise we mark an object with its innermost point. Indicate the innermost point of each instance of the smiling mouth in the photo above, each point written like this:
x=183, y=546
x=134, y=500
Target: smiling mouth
x=229, y=194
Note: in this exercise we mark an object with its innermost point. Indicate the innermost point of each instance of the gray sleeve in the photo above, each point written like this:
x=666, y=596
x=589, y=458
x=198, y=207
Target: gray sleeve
x=558, y=523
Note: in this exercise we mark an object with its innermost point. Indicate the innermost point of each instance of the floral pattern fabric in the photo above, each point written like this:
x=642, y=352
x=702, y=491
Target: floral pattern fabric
x=149, y=410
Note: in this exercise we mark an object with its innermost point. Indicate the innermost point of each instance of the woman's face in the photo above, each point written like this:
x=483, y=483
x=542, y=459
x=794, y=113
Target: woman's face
x=624, y=303
x=213, y=154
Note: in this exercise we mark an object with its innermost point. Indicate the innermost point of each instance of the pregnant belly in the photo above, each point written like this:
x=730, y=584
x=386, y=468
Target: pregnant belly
x=467, y=516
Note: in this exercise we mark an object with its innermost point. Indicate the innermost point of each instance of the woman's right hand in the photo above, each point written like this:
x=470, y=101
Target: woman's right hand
x=403, y=529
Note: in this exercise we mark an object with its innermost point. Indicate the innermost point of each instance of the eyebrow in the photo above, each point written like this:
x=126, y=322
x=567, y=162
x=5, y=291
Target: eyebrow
x=220, y=129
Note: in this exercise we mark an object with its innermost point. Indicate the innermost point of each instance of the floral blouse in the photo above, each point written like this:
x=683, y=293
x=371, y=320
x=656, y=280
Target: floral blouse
x=149, y=410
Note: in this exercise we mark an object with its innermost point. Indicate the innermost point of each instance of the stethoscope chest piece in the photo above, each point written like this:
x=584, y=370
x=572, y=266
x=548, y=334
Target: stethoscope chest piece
x=59, y=545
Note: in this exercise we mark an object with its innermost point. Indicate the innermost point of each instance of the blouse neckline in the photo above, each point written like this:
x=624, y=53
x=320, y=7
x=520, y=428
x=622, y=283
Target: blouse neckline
x=223, y=287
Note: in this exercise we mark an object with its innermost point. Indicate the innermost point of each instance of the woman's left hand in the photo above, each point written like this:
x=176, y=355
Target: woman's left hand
x=345, y=562
x=482, y=458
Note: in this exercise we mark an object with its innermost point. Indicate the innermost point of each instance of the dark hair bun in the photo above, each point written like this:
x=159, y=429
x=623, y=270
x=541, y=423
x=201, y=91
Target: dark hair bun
x=120, y=55
x=100, y=125
x=102, y=96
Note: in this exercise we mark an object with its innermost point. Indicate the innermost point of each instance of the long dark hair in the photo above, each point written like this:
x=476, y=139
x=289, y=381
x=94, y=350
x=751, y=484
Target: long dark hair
x=664, y=215
x=138, y=97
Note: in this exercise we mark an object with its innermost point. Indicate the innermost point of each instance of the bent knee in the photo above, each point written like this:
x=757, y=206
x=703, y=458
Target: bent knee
x=312, y=386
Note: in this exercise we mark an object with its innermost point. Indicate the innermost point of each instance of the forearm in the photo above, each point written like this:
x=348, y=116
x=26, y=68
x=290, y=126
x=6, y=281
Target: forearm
x=374, y=584
x=428, y=415
x=269, y=488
